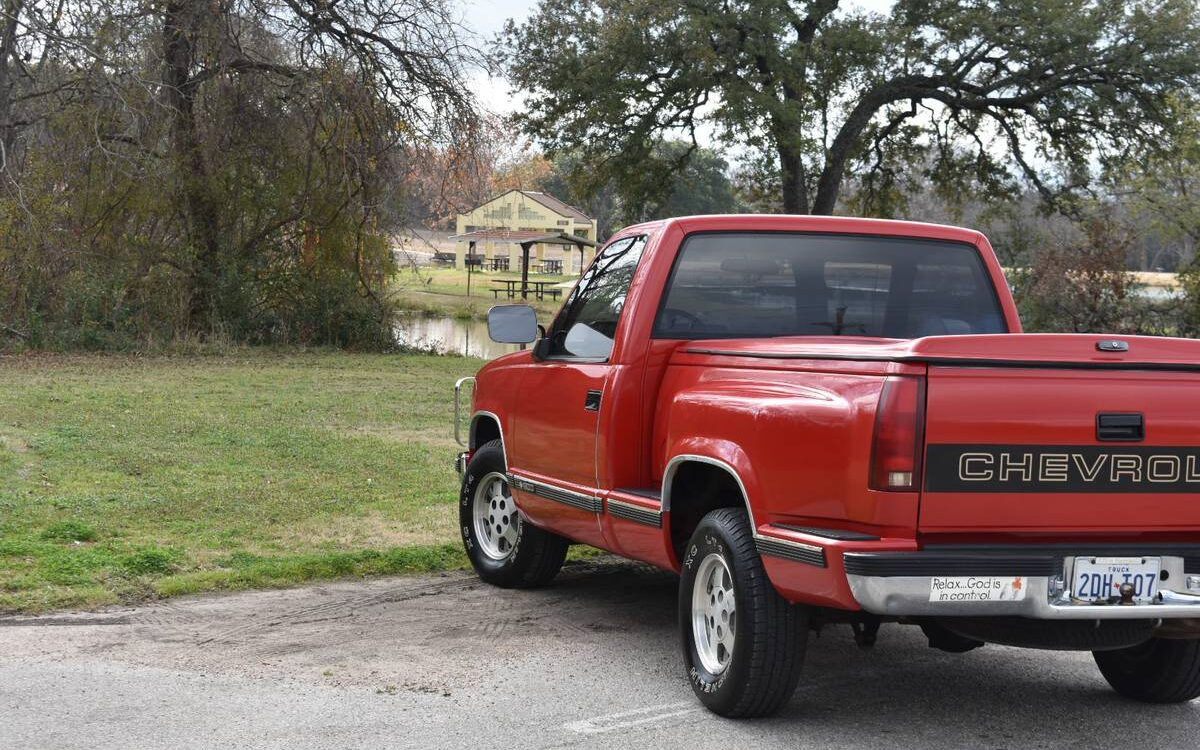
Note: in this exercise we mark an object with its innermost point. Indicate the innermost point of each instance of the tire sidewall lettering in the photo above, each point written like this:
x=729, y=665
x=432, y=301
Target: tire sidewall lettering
x=471, y=478
x=702, y=680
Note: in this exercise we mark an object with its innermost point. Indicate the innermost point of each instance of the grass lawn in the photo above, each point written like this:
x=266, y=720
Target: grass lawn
x=443, y=291
x=123, y=478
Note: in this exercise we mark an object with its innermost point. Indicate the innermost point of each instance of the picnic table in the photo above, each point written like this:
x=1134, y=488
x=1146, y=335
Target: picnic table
x=499, y=263
x=539, y=289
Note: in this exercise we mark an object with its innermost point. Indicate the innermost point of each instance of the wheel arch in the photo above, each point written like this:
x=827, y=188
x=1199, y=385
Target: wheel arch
x=486, y=427
x=723, y=487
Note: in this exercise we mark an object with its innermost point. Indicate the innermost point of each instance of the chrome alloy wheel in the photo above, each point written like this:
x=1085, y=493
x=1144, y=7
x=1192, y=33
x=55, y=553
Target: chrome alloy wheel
x=497, y=525
x=714, y=613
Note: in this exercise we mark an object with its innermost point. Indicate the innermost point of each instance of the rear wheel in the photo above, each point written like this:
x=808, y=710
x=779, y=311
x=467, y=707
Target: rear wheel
x=1160, y=670
x=504, y=550
x=743, y=644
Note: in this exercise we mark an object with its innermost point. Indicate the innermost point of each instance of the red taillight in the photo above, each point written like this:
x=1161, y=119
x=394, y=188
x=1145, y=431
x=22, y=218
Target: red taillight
x=899, y=434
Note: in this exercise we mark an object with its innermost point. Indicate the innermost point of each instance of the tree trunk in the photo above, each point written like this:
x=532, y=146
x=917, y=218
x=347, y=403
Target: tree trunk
x=795, y=188
x=829, y=184
x=181, y=22
x=8, y=44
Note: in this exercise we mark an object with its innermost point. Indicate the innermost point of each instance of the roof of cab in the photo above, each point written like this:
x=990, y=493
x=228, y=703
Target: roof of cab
x=803, y=223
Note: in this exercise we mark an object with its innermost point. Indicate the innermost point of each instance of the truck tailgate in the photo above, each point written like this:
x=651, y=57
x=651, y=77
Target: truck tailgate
x=1056, y=446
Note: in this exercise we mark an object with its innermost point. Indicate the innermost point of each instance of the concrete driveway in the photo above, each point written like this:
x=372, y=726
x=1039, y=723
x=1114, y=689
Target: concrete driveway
x=443, y=661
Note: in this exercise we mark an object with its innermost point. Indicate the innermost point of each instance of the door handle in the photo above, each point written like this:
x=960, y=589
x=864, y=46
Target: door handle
x=591, y=401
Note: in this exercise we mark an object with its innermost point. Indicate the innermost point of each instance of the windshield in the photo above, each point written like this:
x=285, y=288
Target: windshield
x=751, y=285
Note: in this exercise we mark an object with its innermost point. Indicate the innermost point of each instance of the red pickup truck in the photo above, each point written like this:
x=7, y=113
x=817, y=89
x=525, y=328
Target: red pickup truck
x=828, y=420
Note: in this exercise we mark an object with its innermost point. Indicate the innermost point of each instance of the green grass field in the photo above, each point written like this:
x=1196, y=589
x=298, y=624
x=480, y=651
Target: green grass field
x=443, y=291
x=123, y=478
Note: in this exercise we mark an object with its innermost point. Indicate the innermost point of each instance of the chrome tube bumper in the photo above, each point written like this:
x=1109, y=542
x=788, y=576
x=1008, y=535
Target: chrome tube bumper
x=458, y=389
x=905, y=590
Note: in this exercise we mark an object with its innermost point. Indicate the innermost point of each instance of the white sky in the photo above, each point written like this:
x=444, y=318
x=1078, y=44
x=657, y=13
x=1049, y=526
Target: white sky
x=486, y=19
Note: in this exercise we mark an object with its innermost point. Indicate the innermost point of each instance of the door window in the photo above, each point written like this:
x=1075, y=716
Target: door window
x=587, y=325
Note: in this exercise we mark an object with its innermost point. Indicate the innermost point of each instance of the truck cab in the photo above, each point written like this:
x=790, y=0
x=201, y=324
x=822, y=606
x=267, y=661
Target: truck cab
x=818, y=421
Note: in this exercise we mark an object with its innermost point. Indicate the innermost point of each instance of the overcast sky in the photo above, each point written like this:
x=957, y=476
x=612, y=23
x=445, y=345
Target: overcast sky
x=486, y=18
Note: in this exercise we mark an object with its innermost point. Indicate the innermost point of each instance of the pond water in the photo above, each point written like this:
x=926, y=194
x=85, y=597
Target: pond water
x=446, y=335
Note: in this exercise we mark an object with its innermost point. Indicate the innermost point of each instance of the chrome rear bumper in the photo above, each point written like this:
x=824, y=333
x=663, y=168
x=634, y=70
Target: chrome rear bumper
x=909, y=596
x=901, y=585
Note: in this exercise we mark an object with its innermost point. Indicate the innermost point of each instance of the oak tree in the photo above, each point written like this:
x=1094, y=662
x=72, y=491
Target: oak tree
x=984, y=92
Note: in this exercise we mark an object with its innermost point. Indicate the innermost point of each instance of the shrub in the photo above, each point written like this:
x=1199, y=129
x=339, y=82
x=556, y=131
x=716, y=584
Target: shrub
x=1079, y=285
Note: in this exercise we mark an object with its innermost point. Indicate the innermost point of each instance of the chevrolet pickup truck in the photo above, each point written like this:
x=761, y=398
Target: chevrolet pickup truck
x=819, y=421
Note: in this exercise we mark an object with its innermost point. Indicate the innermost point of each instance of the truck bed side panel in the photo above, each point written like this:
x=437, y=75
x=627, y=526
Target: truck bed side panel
x=808, y=433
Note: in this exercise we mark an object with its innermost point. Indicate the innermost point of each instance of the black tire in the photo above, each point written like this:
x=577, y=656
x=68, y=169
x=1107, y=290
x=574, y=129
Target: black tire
x=533, y=556
x=769, y=634
x=1161, y=670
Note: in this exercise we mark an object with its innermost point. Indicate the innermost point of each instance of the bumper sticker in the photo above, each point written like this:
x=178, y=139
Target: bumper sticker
x=977, y=589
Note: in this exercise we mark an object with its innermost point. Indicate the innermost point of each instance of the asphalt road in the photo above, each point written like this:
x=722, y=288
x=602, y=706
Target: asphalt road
x=444, y=661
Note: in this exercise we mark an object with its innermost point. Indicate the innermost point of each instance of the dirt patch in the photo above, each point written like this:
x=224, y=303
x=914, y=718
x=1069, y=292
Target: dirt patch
x=431, y=524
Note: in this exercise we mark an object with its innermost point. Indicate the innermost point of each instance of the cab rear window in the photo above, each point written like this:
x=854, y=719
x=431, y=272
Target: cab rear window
x=741, y=285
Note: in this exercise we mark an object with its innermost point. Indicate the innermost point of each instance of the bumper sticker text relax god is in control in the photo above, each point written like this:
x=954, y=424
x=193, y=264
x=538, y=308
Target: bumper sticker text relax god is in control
x=976, y=589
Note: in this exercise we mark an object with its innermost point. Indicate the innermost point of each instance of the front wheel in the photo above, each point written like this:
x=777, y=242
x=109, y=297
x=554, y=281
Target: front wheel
x=743, y=644
x=1161, y=670
x=505, y=550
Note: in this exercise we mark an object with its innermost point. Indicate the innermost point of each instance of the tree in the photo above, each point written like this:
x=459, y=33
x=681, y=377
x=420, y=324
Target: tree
x=192, y=168
x=568, y=180
x=701, y=186
x=1161, y=182
x=380, y=46
x=446, y=180
x=1078, y=283
x=1160, y=187
x=983, y=92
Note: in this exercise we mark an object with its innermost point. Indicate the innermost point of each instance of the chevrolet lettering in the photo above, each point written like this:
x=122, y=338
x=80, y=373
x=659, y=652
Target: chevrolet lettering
x=1061, y=468
x=827, y=422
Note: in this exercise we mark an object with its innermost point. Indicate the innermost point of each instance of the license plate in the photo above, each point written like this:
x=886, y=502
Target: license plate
x=1099, y=579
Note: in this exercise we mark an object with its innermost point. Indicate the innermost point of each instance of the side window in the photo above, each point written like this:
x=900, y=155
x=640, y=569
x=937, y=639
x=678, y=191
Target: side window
x=588, y=322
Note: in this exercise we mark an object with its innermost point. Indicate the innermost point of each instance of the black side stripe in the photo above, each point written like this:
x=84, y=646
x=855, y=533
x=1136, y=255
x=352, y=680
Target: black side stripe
x=557, y=494
x=635, y=513
x=838, y=534
x=794, y=551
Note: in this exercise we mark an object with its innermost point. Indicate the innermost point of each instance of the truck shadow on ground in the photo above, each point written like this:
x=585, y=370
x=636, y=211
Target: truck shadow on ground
x=900, y=692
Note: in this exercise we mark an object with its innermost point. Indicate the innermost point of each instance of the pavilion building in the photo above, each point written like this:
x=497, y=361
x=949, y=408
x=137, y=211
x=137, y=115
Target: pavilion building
x=495, y=235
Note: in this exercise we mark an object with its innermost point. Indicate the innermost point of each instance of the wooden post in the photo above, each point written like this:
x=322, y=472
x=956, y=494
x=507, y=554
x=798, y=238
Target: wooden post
x=470, y=254
x=525, y=247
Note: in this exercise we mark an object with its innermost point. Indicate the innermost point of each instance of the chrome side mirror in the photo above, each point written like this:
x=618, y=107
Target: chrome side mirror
x=512, y=324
